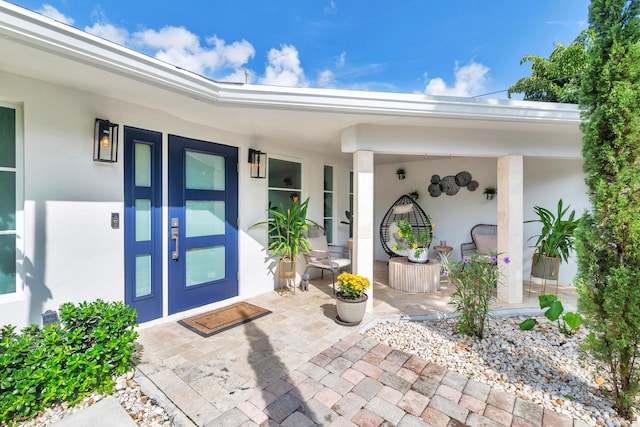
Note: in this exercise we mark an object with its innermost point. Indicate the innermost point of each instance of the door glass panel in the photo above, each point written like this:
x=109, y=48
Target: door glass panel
x=143, y=220
x=7, y=137
x=204, y=171
x=143, y=275
x=328, y=178
x=205, y=218
x=7, y=201
x=143, y=165
x=205, y=265
x=7, y=264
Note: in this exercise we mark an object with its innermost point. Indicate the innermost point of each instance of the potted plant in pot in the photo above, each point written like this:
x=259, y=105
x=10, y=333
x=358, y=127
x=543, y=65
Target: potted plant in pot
x=490, y=192
x=351, y=298
x=286, y=234
x=401, y=173
x=414, y=242
x=555, y=241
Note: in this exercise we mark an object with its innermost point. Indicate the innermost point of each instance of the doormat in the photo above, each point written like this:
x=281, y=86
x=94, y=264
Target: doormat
x=216, y=321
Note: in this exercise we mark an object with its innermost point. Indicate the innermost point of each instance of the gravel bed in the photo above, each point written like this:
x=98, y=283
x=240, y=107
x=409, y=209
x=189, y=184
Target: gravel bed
x=144, y=411
x=542, y=365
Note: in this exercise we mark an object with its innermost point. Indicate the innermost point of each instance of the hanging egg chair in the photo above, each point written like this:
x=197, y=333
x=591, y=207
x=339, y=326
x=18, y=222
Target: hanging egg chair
x=403, y=208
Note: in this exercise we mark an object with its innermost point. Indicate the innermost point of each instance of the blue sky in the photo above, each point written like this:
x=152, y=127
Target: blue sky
x=464, y=48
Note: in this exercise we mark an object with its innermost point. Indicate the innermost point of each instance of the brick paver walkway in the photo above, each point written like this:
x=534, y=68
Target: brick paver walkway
x=360, y=382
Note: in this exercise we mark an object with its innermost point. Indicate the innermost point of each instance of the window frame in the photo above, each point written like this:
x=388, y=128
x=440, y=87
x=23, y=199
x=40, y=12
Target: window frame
x=19, y=194
x=329, y=233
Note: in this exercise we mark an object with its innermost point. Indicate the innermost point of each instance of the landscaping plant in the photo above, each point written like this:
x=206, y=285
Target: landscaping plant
x=567, y=323
x=475, y=278
x=608, y=239
x=40, y=367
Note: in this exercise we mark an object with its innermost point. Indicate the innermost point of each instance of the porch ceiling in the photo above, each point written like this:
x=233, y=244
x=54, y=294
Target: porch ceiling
x=314, y=119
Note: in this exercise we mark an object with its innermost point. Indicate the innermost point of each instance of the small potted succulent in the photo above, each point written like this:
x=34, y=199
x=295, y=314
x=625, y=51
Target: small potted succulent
x=401, y=173
x=414, y=194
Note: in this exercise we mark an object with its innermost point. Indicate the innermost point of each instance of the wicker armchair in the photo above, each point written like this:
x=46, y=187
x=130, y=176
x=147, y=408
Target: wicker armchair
x=471, y=247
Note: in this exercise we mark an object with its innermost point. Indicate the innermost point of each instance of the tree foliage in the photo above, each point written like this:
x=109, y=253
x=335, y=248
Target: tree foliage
x=608, y=239
x=556, y=79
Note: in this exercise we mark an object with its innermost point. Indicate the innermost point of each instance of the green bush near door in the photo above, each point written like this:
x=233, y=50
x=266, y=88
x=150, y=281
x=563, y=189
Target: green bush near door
x=40, y=367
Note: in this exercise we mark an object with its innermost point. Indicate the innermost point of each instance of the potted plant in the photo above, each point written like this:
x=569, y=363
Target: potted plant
x=555, y=241
x=351, y=298
x=401, y=173
x=490, y=192
x=414, y=194
x=414, y=242
x=286, y=233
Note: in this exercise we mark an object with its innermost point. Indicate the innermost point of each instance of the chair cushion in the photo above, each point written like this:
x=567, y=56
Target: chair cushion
x=485, y=244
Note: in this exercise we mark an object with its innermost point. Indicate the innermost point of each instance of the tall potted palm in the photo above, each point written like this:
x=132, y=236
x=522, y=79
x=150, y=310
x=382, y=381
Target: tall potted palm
x=555, y=241
x=286, y=234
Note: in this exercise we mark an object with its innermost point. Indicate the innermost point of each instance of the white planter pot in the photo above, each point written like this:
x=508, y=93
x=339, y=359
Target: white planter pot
x=351, y=311
x=422, y=258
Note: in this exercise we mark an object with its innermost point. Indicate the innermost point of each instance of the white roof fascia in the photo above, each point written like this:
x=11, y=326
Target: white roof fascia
x=382, y=103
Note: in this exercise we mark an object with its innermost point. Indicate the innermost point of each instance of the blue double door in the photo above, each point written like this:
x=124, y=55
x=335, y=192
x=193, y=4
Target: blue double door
x=183, y=253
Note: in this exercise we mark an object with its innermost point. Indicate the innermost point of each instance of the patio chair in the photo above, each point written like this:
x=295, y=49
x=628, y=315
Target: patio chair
x=483, y=240
x=320, y=257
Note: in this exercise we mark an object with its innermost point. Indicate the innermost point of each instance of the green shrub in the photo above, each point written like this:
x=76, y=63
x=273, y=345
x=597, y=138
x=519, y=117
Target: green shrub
x=567, y=323
x=63, y=363
x=475, y=278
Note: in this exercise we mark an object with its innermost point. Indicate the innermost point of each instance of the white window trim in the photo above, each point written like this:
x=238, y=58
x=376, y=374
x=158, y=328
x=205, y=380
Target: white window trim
x=19, y=294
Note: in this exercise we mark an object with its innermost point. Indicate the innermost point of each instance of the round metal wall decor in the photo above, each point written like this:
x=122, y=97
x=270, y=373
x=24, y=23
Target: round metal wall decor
x=463, y=178
x=450, y=184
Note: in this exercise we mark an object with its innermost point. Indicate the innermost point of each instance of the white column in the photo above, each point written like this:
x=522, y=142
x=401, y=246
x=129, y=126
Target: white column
x=510, y=227
x=362, y=259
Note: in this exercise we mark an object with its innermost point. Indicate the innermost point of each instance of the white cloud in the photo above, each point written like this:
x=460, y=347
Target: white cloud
x=470, y=80
x=53, y=13
x=109, y=32
x=180, y=47
x=326, y=78
x=331, y=8
x=284, y=68
x=340, y=61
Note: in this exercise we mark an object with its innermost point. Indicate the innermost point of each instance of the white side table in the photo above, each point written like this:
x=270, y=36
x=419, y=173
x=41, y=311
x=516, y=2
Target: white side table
x=444, y=252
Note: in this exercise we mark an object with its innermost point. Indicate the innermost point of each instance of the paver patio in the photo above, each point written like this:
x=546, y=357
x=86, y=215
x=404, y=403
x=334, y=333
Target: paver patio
x=298, y=367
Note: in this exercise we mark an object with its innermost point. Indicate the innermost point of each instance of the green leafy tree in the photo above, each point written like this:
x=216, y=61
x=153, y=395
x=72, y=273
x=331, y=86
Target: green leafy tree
x=556, y=79
x=608, y=239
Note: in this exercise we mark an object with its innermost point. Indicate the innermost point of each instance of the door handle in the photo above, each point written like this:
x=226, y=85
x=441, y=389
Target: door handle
x=175, y=236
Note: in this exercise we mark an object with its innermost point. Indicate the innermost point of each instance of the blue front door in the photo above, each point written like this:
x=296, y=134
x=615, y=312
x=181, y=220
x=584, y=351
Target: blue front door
x=203, y=217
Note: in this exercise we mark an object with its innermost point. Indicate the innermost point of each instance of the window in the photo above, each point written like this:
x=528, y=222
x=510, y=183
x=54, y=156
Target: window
x=328, y=202
x=8, y=199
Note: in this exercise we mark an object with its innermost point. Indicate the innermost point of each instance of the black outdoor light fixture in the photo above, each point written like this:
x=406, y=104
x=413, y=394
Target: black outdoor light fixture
x=258, y=161
x=105, y=141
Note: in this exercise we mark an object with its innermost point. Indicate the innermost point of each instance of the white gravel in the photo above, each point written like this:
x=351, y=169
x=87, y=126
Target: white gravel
x=144, y=411
x=541, y=365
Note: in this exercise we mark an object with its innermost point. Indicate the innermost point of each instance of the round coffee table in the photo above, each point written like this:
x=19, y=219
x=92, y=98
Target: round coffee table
x=416, y=277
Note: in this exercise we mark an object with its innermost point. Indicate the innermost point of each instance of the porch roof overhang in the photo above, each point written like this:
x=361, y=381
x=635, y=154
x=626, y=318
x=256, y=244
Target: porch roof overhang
x=315, y=119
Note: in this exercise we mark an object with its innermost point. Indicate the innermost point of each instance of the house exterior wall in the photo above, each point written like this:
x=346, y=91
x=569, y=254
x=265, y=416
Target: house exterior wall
x=71, y=253
x=545, y=181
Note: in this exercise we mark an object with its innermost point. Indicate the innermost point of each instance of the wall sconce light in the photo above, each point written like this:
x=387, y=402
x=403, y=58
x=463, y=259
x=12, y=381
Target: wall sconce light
x=258, y=161
x=105, y=141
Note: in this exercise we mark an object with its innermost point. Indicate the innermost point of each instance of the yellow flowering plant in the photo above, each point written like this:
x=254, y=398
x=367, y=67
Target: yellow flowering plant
x=407, y=239
x=352, y=286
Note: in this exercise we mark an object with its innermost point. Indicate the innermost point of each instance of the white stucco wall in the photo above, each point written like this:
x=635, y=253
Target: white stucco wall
x=71, y=253
x=545, y=181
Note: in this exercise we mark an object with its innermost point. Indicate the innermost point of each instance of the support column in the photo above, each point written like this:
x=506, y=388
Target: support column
x=362, y=259
x=510, y=227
